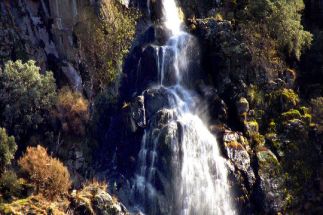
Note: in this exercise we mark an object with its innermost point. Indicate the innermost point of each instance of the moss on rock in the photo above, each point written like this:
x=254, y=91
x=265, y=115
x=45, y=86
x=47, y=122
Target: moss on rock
x=291, y=114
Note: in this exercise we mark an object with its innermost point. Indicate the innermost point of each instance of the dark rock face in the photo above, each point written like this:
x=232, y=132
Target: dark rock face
x=218, y=41
x=157, y=99
x=272, y=195
x=143, y=66
x=43, y=31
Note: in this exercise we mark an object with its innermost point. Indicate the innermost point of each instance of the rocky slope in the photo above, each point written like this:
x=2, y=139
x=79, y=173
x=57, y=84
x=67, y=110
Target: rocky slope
x=257, y=101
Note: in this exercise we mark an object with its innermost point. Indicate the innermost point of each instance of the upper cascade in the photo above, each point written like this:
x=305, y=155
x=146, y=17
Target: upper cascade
x=171, y=15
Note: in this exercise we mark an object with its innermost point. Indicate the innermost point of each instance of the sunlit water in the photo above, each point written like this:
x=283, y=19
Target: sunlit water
x=198, y=184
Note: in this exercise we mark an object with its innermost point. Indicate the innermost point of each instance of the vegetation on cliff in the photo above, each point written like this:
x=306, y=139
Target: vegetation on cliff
x=263, y=61
x=26, y=97
x=105, y=37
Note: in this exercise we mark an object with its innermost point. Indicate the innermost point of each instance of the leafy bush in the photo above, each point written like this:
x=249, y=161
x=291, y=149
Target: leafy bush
x=50, y=177
x=283, y=19
x=105, y=38
x=282, y=100
x=9, y=185
x=72, y=109
x=25, y=96
x=8, y=149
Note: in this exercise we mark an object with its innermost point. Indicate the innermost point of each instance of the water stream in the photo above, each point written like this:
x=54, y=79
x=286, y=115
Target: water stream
x=197, y=183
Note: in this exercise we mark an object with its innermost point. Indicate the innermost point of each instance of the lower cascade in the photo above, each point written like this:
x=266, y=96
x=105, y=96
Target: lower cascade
x=180, y=168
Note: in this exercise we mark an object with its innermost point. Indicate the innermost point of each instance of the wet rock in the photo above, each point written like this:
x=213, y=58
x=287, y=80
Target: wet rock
x=128, y=122
x=162, y=34
x=162, y=118
x=148, y=67
x=73, y=77
x=166, y=138
x=157, y=99
x=138, y=111
x=217, y=108
x=168, y=72
x=156, y=12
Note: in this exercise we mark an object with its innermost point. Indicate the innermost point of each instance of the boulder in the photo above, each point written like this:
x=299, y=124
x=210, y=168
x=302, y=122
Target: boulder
x=242, y=105
x=157, y=99
x=271, y=191
x=241, y=173
x=94, y=199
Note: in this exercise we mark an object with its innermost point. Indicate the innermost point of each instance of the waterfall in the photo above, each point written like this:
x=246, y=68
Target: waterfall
x=195, y=180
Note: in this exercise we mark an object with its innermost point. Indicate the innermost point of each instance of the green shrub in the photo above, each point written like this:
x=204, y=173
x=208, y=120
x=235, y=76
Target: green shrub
x=8, y=149
x=288, y=95
x=283, y=100
x=283, y=20
x=258, y=140
x=26, y=96
x=9, y=185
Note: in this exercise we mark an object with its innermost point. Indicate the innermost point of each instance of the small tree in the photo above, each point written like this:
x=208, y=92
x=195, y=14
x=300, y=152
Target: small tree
x=283, y=20
x=72, y=109
x=8, y=149
x=25, y=96
x=50, y=177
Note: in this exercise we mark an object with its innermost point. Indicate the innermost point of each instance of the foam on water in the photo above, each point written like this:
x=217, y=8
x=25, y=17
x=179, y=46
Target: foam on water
x=199, y=184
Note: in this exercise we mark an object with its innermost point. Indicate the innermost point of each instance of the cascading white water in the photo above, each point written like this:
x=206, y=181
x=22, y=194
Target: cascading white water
x=172, y=20
x=198, y=184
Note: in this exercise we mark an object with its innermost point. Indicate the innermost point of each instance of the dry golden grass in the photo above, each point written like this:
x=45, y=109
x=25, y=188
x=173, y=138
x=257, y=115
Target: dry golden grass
x=35, y=205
